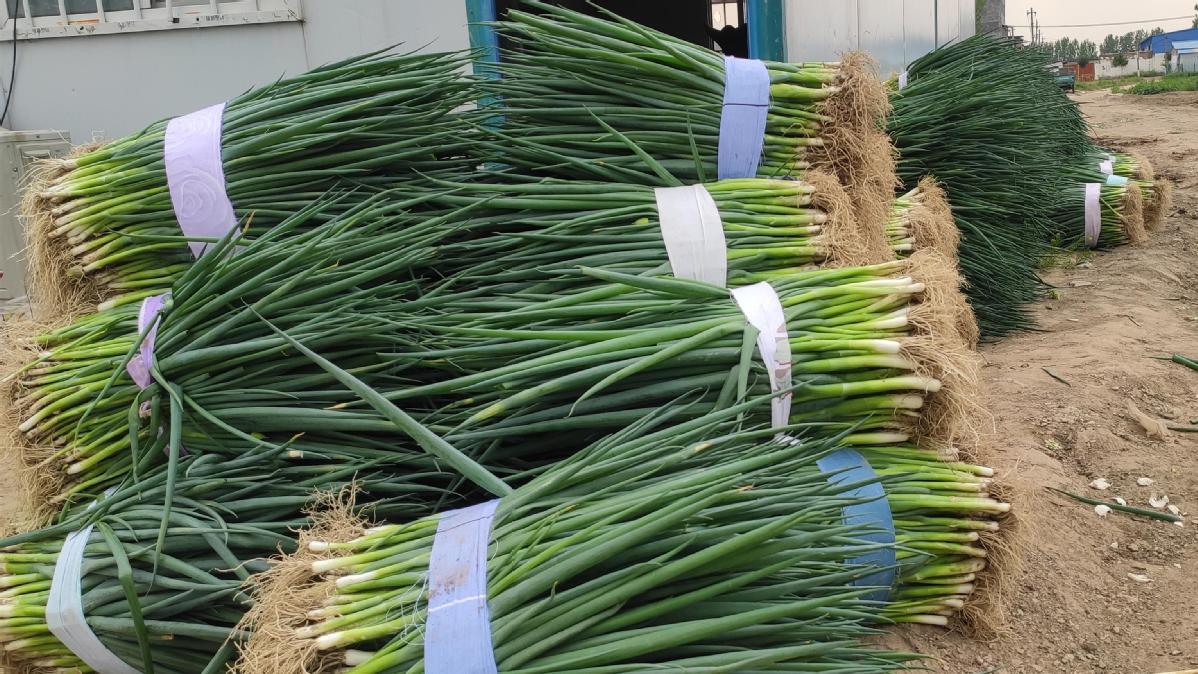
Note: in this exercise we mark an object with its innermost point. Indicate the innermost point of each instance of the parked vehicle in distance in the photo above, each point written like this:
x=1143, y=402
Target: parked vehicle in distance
x=1067, y=79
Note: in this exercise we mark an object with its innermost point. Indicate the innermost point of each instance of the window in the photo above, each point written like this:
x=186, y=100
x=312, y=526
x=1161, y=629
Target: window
x=727, y=13
x=62, y=18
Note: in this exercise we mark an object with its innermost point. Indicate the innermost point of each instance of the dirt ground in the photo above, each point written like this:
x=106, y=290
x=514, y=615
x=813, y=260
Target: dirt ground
x=1074, y=606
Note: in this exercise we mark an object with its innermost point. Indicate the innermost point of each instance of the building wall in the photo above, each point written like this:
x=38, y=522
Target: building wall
x=895, y=32
x=1185, y=62
x=1104, y=68
x=105, y=86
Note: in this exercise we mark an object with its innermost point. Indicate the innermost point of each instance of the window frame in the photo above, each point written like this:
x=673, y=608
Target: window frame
x=145, y=17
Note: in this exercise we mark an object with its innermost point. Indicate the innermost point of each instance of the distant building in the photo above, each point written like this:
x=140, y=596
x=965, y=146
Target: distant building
x=1136, y=63
x=1185, y=56
x=1163, y=43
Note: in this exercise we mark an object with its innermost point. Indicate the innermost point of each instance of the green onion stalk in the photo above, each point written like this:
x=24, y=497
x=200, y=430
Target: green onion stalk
x=103, y=227
x=987, y=120
x=690, y=547
x=341, y=287
x=1158, y=192
x=165, y=562
x=590, y=97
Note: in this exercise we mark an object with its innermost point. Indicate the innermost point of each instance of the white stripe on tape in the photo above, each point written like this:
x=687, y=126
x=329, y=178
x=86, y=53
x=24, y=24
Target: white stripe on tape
x=195, y=176
x=762, y=308
x=902, y=80
x=1093, y=214
x=693, y=234
x=457, y=631
x=64, y=608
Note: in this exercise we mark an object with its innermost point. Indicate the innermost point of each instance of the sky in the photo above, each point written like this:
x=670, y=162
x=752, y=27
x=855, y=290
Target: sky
x=1137, y=15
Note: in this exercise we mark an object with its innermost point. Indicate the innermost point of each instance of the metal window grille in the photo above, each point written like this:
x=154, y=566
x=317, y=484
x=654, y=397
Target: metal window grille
x=62, y=18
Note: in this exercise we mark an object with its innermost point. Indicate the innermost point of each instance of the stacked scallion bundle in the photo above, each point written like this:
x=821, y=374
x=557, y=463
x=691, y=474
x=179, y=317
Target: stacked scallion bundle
x=595, y=98
x=340, y=286
x=692, y=547
x=163, y=567
x=102, y=223
x=521, y=227
x=921, y=219
x=987, y=120
x=1119, y=215
x=1158, y=192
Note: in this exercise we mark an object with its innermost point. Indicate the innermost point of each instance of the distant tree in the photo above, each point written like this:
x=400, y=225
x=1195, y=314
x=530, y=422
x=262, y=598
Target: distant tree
x=1110, y=44
x=1119, y=60
x=1141, y=35
x=1086, y=51
x=1195, y=23
x=1157, y=31
x=1128, y=42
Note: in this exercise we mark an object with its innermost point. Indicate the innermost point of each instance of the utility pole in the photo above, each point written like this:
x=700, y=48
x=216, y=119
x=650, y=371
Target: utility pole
x=1031, y=24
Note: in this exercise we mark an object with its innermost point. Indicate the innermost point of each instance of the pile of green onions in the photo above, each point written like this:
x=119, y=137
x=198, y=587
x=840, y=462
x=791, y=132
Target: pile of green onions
x=691, y=547
x=588, y=97
x=103, y=228
x=985, y=117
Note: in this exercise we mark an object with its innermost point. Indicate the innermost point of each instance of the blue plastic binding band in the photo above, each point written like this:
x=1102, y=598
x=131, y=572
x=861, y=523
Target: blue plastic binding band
x=742, y=122
x=1116, y=180
x=847, y=465
x=457, y=632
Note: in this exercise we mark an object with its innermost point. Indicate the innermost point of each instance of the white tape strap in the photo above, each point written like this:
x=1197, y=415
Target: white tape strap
x=1106, y=166
x=457, y=632
x=1093, y=214
x=64, y=608
x=1116, y=180
x=762, y=308
x=902, y=80
x=195, y=176
x=743, y=117
x=693, y=234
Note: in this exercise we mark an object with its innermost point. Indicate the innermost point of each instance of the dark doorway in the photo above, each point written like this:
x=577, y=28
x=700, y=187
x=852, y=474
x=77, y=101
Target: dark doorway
x=697, y=21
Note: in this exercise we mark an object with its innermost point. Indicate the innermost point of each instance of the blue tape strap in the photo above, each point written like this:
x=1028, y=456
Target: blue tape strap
x=742, y=122
x=457, y=632
x=1116, y=180
x=848, y=466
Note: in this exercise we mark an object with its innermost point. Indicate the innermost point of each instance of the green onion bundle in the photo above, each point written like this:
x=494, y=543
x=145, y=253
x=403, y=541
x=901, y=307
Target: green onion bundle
x=1120, y=212
x=340, y=287
x=987, y=120
x=947, y=522
x=690, y=547
x=1158, y=192
x=103, y=225
x=921, y=219
x=595, y=98
x=165, y=562
x=543, y=225
x=587, y=350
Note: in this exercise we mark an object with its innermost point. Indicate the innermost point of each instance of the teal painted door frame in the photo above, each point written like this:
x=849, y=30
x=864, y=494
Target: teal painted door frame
x=767, y=30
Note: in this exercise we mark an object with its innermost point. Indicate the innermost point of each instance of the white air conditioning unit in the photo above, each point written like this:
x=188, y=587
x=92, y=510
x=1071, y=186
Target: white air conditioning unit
x=19, y=150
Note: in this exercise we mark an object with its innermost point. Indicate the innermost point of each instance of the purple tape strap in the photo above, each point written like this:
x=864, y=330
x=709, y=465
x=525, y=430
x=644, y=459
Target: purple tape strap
x=742, y=121
x=457, y=632
x=1093, y=214
x=1106, y=166
x=139, y=366
x=195, y=176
